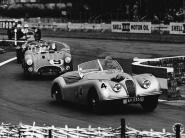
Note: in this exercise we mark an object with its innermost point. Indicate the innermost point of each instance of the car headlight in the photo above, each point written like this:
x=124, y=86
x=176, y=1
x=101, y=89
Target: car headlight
x=29, y=62
x=117, y=87
x=53, y=46
x=68, y=59
x=146, y=84
x=61, y=62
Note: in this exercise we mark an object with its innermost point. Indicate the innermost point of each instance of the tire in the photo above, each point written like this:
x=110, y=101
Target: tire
x=19, y=57
x=27, y=74
x=94, y=102
x=150, y=103
x=71, y=66
x=19, y=61
x=56, y=91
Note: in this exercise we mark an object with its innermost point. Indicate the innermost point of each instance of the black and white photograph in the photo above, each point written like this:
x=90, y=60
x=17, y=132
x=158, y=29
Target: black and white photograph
x=92, y=68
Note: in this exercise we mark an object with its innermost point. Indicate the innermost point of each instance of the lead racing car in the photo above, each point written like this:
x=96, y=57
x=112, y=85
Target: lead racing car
x=47, y=58
x=100, y=81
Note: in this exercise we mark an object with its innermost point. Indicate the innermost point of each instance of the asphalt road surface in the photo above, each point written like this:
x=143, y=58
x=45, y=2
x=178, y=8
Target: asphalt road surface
x=28, y=99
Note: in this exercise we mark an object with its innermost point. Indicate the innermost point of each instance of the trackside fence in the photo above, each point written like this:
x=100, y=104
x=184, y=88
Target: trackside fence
x=33, y=131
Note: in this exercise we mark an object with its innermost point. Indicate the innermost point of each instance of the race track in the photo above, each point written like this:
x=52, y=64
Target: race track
x=28, y=99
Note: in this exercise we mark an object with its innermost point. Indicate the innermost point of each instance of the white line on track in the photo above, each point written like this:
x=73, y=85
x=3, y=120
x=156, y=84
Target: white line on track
x=7, y=61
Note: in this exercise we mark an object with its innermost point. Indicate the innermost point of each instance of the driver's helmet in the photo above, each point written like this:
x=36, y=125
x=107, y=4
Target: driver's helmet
x=19, y=25
x=108, y=62
x=43, y=48
x=108, y=58
x=53, y=46
x=26, y=26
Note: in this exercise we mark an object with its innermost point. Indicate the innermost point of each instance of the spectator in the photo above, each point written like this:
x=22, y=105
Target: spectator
x=19, y=31
x=135, y=11
x=168, y=17
x=155, y=19
x=37, y=34
x=25, y=31
x=127, y=11
x=180, y=15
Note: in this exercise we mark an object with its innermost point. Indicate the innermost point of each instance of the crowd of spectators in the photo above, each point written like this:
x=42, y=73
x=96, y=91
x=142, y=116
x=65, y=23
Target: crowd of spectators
x=96, y=12
x=171, y=15
x=137, y=10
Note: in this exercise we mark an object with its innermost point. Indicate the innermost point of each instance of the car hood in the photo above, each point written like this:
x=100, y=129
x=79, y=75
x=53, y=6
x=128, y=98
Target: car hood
x=49, y=56
x=48, y=59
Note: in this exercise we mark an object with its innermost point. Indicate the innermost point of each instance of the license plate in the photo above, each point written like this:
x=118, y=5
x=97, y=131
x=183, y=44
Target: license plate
x=133, y=100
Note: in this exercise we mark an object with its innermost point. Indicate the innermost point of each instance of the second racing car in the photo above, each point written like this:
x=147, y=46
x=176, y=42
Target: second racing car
x=47, y=58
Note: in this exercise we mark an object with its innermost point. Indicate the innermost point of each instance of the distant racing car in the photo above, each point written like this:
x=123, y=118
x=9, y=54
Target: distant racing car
x=44, y=58
x=103, y=81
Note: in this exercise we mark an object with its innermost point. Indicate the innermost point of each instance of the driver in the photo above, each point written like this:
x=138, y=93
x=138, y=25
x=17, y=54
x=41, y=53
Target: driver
x=108, y=62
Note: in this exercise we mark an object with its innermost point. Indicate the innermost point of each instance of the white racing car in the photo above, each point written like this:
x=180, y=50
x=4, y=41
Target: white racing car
x=103, y=81
x=44, y=58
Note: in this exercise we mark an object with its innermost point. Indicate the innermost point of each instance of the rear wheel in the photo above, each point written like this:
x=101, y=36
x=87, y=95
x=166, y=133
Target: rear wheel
x=57, y=93
x=150, y=103
x=93, y=101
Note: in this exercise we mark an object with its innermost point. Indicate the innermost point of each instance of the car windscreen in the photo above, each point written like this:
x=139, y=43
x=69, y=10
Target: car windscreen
x=110, y=65
x=89, y=66
x=58, y=45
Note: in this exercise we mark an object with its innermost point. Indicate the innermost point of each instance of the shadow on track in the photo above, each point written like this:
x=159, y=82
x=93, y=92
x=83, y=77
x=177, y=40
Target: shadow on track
x=35, y=77
x=106, y=110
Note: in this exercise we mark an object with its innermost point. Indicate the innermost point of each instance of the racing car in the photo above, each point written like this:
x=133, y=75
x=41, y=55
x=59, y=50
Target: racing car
x=43, y=58
x=21, y=33
x=102, y=81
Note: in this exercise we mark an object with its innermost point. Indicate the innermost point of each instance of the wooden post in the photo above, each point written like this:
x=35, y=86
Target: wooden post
x=177, y=131
x=50, y=133
x=19, y=132
x=123, y=129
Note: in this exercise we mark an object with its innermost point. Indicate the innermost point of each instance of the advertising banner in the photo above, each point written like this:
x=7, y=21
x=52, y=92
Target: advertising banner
x=62, y=26
x=177, y=28
x=88, y=26
x=131, y=27
x=120, y=27
x=140, y=27
x=6, y=24
x=75, y=26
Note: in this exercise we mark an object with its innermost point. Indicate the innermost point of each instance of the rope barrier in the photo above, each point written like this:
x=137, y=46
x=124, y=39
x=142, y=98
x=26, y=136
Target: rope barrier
x=25, y=131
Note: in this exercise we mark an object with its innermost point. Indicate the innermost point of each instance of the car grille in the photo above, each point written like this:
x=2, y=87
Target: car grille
x=46, y=69
x=130, y=88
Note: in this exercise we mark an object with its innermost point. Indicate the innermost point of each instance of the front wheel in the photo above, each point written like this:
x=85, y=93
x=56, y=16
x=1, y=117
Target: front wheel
x=150, y=103
x=93, y=101
x=27, y=74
